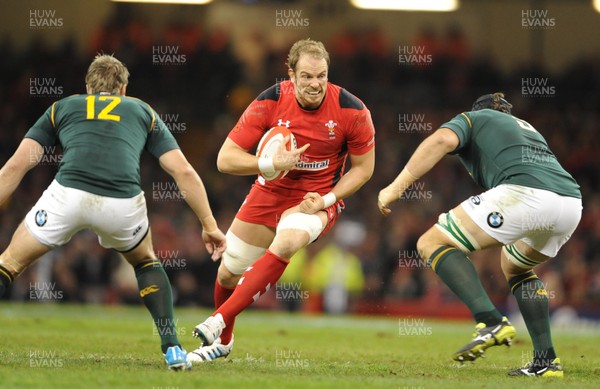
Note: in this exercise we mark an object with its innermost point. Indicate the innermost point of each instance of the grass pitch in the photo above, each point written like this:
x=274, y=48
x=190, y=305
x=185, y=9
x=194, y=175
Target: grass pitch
x=73, y=346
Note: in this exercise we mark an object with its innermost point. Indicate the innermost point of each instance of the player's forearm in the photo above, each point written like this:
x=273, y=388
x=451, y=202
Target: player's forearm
x=431, y=151
x=362, y=167
x=193, y=191
x=425, y=157
x=237, y=162
x=352, y=181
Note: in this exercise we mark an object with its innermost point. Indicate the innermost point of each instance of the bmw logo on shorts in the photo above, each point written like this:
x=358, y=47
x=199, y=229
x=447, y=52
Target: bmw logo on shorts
x=495, y=219
x=41, y=217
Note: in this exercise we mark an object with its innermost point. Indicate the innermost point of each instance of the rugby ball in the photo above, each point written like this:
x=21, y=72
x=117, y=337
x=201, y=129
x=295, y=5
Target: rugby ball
x=269, y=144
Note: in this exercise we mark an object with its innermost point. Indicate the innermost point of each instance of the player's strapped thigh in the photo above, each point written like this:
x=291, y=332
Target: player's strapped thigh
x=312, y=224
x=519, y=259
x=452, y=227
x=239, y=255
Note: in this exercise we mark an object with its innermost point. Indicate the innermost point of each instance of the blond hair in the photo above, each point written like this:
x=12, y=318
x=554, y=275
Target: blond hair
x=106, y=74
x=306, y=46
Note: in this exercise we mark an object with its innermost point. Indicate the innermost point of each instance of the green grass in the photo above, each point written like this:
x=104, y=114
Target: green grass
x=73, y=346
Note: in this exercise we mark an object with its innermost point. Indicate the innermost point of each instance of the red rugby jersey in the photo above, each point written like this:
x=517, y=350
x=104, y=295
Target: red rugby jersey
x=341, y=125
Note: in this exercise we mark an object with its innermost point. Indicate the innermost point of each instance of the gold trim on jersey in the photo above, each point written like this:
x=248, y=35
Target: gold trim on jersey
x=468, y=120
x=153, y=117
x=52, y=116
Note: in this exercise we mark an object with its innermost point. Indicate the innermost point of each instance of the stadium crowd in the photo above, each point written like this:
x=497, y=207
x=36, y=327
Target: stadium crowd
x=201, y=94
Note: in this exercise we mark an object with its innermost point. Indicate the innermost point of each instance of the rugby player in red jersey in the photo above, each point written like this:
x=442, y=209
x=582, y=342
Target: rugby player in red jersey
x=280, y=217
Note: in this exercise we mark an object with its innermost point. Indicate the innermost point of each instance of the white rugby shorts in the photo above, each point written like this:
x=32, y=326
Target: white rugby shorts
x=120, y=224
x=542, y=219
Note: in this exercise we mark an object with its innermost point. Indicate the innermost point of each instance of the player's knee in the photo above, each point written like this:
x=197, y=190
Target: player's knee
x=295, y=231
x=288, y=242
x=514, y=262
x=506, y=266
x=238, y=255
x=226, y=278
x=426, y=245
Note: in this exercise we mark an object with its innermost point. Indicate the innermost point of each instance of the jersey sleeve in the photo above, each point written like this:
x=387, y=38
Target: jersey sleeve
x=44, y=131
x=251, y=126
x=160, y=140
x=361, y=137
x=462, y=125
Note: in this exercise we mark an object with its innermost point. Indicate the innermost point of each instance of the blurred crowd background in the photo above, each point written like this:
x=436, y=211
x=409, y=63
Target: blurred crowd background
x=367, y=263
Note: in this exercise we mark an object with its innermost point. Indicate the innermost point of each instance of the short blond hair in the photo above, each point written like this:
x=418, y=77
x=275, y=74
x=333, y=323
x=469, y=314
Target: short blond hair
x=306, y=46
x=106, y=74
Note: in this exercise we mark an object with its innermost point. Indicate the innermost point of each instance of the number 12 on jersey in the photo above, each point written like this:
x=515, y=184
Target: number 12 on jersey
x=105, y=113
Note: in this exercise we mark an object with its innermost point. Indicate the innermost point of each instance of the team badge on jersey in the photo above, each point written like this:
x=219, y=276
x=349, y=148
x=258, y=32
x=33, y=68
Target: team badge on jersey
x=331, y=126
x=41, y=217
x=495, y=219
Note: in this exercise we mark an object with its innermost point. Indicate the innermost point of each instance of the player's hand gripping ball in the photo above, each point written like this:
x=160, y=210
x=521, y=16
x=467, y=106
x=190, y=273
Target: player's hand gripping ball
x=268, y=145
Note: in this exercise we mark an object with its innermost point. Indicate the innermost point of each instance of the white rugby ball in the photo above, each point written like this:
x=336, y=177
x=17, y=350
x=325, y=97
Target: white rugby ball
x=269, y=144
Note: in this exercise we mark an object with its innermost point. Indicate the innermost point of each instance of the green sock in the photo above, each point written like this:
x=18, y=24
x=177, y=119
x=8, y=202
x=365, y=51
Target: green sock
x=155, y=290
x=532, y=299
x=456, y=270
x=5, y=279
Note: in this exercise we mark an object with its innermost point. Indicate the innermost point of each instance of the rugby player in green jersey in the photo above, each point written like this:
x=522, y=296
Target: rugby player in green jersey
x=97, y=187
x=530, y=207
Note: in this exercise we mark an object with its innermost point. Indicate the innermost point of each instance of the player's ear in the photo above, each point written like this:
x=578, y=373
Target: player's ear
x=291, y=74
x=88, y=90
x=123, y=90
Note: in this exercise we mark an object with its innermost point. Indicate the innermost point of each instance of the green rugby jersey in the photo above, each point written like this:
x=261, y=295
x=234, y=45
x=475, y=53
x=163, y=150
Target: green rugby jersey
x=102, y=137
x=497, y=148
